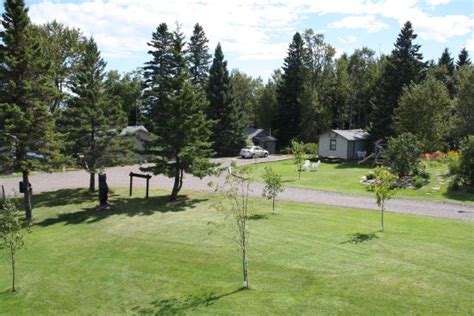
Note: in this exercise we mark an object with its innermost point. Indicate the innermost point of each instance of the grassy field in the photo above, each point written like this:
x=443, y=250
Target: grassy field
x=344, y=177
x=146, y=257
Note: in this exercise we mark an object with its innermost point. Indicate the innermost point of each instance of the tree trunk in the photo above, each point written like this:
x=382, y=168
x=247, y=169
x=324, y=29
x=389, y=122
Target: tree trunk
x=178, y=182
x=273, y=204
x=381, y=219
x=245, y=268
x=92, y=182
x=13, y=271
x=27, y=196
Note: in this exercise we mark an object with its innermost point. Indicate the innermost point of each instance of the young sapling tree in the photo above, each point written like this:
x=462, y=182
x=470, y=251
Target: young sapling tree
x=273, y=185
x=11, y=235
x=299, y=155
x=384, y=189
x=236, y=189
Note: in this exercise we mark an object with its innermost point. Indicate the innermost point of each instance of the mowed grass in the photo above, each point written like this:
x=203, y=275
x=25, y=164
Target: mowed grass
x=344, y=177
x=147, y=257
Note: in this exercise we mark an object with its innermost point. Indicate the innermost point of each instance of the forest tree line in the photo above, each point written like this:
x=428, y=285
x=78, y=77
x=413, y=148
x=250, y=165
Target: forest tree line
x=59, y=104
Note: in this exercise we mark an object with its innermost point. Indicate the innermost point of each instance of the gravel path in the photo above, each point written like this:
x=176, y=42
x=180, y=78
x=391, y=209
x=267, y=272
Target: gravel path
x=118, y=177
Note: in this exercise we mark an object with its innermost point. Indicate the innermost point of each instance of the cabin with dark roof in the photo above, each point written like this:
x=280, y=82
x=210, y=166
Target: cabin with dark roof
x=259, y=137
x=344, y=144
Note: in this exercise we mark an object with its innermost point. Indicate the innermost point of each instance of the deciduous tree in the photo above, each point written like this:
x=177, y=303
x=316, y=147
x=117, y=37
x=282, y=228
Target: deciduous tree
x=11, y=235
x=384, y=189
x=273, y=185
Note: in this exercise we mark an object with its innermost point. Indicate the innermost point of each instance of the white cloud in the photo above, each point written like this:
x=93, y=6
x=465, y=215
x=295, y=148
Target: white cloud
x=246, y=28
x=434, y=3
x=470, y=45
x=367, y=22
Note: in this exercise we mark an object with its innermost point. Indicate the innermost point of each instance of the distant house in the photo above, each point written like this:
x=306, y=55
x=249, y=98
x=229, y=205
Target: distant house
x=139, y=135
x=344, y=144
x=259, y=137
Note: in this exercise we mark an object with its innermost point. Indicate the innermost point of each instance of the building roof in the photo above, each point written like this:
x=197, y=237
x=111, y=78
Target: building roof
x=251, y=132
x=133, y=130
x=352, y=134
x=266, y=138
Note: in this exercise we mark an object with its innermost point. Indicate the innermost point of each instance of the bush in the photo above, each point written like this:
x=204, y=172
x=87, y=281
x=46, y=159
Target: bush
x=418, y=182
x=403, y=154
x=370, y=176
x=422, y=173
x=310, y=149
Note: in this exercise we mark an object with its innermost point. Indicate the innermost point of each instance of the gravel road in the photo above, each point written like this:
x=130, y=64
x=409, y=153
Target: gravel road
x=118, y=177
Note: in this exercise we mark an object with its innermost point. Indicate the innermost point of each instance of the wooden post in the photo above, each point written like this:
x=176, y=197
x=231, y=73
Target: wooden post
x=3, y=193
x=131, y=183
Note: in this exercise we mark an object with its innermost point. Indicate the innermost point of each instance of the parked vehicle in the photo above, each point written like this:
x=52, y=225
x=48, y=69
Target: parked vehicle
x=253, y=152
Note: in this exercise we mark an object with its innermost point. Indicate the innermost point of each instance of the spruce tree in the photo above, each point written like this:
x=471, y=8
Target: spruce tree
x=463, y=59
x=288, y=117
x=447, y=61
x=93, y=119
x=157, y=72
x=178, y=119
x=26, y=92
x=228, y=132
x=403, y=66
x=198, y=56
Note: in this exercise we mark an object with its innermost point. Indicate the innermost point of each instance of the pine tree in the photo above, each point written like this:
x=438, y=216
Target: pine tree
x=93, y=119
x=157, y=73
x=198, y=56
x=178, y=119
x=288, y=117
x=26, y=92
x=447, y=61
x=228, y=132
x=445, y=71
x=402, y=67
x=463, y=59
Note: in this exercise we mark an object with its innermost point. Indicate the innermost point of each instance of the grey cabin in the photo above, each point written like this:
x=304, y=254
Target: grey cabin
x=344, y=144
x=259, y=137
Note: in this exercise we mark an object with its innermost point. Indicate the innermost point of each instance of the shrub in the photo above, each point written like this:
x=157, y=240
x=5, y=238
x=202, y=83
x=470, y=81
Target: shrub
x=403, y=154
x=418, y=182
x=311, y=149
x=370, y=176
x=422, y=172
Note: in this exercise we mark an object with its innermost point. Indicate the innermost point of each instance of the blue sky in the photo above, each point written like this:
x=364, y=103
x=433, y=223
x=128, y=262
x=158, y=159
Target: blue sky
x=255, y=33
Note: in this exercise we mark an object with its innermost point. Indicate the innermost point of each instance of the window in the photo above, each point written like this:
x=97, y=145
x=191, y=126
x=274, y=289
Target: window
x=332, y=145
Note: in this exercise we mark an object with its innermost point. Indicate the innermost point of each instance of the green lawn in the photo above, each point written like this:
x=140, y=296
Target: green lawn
x=147, y=257
x=344, y=178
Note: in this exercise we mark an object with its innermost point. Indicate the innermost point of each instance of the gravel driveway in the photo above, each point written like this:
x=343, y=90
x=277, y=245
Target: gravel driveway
x=118, y=177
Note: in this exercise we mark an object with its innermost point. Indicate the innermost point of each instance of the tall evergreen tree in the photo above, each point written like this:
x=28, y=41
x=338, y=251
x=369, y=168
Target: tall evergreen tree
x=93, y=119
x=228, y=132
x=288, y=116
x=198, y=56
x=463, y=59
x=26, y=92
x=402, y=67
x=446, y=71
x=447, y=61
x=178, y=118
x=157, y=72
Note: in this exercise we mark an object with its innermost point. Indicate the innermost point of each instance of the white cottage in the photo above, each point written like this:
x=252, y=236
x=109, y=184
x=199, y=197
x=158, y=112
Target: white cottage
x=344, y=144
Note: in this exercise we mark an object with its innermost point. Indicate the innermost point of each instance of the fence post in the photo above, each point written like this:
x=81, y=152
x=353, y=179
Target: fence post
x=131, y=183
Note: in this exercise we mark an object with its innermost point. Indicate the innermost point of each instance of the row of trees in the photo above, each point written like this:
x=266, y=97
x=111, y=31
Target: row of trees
x=58, y=104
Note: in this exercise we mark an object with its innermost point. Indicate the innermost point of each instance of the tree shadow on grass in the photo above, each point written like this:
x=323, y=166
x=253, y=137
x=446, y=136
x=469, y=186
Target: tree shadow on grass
x=180, y=306
x=353, y=165
x=257, y=217
x=124, y=206
x=359, y=238
x=66, y=197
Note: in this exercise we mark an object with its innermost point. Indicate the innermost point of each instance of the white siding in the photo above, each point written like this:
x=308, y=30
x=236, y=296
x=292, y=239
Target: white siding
x=325, y=143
